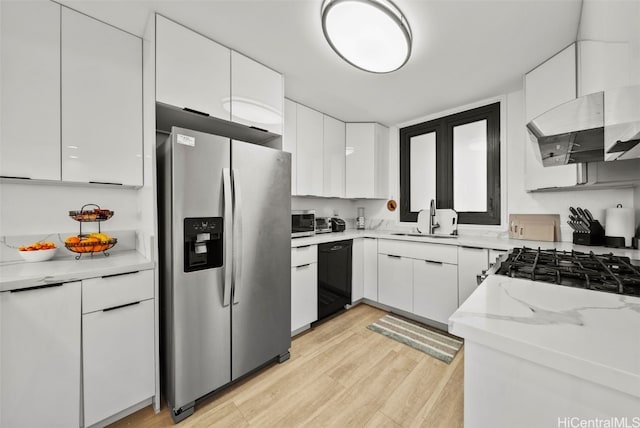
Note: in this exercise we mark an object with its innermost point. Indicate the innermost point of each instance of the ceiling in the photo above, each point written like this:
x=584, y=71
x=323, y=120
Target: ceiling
x=463, y=50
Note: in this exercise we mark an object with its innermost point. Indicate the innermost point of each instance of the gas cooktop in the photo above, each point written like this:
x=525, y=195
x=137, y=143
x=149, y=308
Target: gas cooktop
x=602, y=272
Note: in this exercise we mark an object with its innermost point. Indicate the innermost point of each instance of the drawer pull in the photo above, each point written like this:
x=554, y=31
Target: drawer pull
x=303, y=246
x=394, y=257
x=303, y=266
x=106, y=182
x=120, y=274
x=432, y=262
x=472, y=248
x=120, y=307
x=37, y=287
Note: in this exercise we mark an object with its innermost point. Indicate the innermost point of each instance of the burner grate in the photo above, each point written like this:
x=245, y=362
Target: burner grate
x=604, y=272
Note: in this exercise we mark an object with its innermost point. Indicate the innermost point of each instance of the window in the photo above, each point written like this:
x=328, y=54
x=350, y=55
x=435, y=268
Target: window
x=456, y=161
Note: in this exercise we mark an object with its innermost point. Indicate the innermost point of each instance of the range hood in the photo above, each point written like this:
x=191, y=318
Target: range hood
x=593, y=128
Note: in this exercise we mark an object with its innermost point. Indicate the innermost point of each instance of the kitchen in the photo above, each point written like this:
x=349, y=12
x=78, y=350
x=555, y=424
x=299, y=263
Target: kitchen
x=333, y=177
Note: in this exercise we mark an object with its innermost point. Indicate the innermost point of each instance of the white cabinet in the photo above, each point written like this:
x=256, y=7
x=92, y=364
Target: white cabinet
x=101, y=74
x=30, y=101
x=257, y=94
x=192, y=71
x=395, y=281
x=494, y=254
x=289, y=140
x=304, y=286
x=367, y=152
x=603, y=66
x=471, y=262
x=547, y=86
x=118, y=340
x=40, y=357
x=435, y=291
x=310, y=129
x=370, y=269
x=357, y=269
x=334, y=158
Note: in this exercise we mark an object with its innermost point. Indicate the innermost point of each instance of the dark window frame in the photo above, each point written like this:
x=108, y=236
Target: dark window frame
x=444, y=163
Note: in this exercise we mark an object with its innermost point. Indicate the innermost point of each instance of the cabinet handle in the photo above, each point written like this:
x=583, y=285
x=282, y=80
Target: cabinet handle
x=190, y=110
x=258, y=129
x=303, y=266
x=303, y=246
x=472, y=248
x=432, y=262
x=37, y=287
x=394, y=257
x=120, y=307
x=120, y=274
x=106, y=182
x=15, y=178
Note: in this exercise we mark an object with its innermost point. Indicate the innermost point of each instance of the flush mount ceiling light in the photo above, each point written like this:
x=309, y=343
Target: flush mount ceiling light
x=372, y=35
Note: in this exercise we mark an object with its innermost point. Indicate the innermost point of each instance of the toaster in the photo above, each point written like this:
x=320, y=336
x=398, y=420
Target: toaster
x=337, y=224
x=323, y=224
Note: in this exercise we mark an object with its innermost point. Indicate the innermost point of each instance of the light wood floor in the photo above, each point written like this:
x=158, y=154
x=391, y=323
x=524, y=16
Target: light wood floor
x=340, y=375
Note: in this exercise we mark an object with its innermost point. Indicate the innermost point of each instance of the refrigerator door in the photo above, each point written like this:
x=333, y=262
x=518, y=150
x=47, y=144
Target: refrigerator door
x=261, y=310
x=200, y=357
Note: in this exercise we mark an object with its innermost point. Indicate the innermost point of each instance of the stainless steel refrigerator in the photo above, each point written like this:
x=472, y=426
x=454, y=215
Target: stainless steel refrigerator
x=224, y=235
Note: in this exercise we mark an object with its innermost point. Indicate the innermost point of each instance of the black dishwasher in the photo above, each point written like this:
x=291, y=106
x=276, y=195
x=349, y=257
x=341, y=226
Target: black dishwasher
x=334, y=277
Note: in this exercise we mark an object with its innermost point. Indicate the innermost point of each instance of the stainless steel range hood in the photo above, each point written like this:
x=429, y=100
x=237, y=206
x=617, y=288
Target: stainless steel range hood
x=593, y=128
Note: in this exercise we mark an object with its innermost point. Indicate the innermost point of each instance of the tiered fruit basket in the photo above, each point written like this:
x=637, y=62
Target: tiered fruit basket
x=90, y=243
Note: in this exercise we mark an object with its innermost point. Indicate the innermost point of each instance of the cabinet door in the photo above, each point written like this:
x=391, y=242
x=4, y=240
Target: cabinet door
x=493, y=256
x=395, y=282
x=309, y=140
x=101, y=102
x=30, y=101
x=357, y=266
x=360, y=163
x=551, y=83
x=289, y=141
x=257, y=94
x=40, y=357
x=304, y=295
x=471, y=262
x=370, y=269
x=435, y=290
x=192, y=71
x=334, y=157
x=117, y=359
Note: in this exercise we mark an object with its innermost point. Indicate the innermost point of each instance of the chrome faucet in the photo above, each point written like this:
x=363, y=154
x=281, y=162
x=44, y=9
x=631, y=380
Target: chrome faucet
x=432, y=216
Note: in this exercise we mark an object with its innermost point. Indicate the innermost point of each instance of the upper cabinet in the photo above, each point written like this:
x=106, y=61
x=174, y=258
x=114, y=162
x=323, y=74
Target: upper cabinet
x=551, y=83
x=30, y=58
x=334, y=157
x=101, y=102
x=289, y=139
x=603, y=66
x=367, y=152
x=257, y=94
x=192, y=71
x=309, y=137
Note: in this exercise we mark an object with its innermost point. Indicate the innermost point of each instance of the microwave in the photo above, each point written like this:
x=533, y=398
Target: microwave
x=303, y=223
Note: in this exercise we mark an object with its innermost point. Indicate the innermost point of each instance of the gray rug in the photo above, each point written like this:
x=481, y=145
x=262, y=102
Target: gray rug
x=436, y=343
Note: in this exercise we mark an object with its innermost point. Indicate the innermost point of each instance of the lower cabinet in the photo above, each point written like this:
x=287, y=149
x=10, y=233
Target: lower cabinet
x=117, y=344
x=304, y=286
x=357, y=269
x=435, y=295
x=370, y=269
x=471, y=262
x=40, y=356
x=395, y=281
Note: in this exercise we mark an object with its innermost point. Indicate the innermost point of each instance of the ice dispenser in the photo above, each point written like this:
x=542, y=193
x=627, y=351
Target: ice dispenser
x=202, y=243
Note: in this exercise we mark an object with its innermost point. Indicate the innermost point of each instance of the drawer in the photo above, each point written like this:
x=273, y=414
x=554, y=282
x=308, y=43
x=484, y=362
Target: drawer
x=418, y=250
x=304, y=255
x=111, y=291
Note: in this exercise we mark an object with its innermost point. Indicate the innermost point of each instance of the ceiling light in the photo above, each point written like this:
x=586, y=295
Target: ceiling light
x=372, y=35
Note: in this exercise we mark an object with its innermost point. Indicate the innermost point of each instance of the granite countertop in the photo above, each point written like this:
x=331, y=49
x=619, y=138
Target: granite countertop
x=19, y=274
x=589, y=334
x=479, y=241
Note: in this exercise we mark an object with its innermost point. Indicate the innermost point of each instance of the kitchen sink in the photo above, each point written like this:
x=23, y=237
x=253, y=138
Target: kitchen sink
x=424, y=235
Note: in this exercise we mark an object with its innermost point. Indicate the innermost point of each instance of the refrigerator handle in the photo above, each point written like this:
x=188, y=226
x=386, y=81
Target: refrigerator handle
x=237, y=234
x=228, y=240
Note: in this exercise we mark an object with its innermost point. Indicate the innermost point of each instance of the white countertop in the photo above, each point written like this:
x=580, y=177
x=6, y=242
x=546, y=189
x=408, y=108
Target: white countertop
x=589, y=334
x=17, y=275
x=479, y=241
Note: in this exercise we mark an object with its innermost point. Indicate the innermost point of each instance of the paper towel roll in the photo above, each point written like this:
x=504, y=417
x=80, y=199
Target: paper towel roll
x=620, y=222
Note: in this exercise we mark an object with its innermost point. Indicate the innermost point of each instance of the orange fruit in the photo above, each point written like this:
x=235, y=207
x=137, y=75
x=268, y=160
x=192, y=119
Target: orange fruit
x=72, y=240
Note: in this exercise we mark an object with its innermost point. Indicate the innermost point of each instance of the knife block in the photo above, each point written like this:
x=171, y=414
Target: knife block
x=595, y=236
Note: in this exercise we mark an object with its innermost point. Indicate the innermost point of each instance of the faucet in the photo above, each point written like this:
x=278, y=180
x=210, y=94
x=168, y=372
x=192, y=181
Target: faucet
x=432, y=215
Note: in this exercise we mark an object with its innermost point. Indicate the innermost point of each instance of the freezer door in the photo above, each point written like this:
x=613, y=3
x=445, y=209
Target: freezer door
x=201, y=323
x=261, y=310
